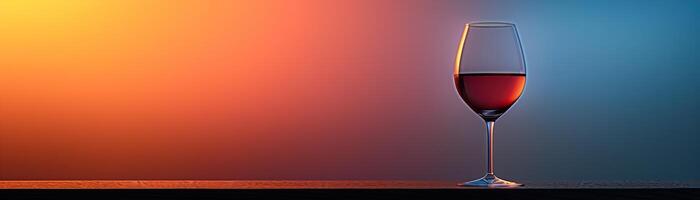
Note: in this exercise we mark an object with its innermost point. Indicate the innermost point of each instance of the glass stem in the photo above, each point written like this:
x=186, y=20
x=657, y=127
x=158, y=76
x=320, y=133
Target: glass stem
x=489, y=146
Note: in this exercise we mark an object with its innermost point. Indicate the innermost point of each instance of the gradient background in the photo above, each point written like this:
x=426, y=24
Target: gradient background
x=162, y=89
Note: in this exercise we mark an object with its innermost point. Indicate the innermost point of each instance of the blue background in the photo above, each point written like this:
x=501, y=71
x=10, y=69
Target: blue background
x=612, y=90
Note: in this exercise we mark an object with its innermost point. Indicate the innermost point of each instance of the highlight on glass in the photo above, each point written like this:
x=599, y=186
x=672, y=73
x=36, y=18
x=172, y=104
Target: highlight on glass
x=490, y=76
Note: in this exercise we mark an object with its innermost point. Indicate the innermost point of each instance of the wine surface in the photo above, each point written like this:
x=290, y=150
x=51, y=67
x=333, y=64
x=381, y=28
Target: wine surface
x=490, y=94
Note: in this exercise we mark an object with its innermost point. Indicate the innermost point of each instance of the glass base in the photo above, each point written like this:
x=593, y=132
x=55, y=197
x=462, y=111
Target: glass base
x=492, y=181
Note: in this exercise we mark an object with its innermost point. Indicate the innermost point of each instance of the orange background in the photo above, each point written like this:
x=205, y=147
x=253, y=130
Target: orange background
x=210, y=89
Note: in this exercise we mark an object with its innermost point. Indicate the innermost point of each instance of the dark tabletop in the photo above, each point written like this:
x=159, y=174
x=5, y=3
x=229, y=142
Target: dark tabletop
x=324, y=184
x=372, y=189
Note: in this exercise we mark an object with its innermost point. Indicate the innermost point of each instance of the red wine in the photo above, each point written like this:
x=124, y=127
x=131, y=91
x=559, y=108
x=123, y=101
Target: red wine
x=490, y=94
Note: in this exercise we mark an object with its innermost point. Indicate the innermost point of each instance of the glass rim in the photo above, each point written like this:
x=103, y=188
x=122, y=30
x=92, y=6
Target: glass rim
x=490, y=24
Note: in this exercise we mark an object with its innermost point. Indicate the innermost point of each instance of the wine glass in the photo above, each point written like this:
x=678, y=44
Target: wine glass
x=490, y=76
